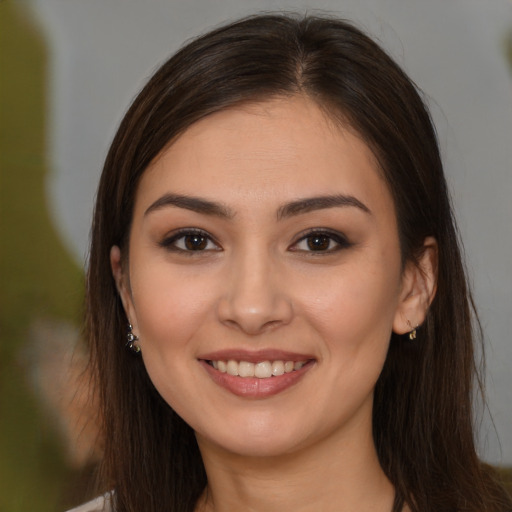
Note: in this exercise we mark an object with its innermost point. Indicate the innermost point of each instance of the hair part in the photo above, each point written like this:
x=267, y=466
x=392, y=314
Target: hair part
x=422, y=421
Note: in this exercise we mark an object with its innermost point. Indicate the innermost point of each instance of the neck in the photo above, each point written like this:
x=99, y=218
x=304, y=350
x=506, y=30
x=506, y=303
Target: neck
x=332, y=476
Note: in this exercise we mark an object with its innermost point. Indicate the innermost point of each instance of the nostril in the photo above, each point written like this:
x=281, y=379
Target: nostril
x=256, y=313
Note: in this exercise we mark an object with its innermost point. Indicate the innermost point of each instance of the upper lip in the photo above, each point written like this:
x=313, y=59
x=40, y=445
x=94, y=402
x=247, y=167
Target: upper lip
x=254, y=356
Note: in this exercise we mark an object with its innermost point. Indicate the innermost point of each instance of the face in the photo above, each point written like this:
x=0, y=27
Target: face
x=264, y=278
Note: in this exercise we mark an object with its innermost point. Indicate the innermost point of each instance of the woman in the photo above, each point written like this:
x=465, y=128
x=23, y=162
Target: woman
x=273, y=226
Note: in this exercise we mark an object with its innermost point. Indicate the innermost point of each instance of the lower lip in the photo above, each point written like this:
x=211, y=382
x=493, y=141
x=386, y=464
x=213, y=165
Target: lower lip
x=252, y=387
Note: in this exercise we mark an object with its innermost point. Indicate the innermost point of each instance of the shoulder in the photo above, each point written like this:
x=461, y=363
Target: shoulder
x=99, y=504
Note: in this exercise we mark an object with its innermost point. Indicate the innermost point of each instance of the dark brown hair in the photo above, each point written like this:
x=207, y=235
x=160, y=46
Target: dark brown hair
x=422, y=419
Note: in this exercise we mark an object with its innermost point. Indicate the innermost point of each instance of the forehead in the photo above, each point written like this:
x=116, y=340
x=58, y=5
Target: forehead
x=276, y=150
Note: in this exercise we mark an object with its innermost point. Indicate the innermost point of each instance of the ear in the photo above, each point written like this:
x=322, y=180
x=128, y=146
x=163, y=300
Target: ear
x=123, y=285
x=419, y=284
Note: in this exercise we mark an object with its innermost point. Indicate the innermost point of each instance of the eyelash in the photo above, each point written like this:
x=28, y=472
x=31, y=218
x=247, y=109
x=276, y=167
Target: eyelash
x=171, y=243
x=322, y=235
x=330, y=236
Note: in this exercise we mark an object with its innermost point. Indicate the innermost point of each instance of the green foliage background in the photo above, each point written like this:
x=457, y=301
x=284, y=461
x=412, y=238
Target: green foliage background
x=38, y=278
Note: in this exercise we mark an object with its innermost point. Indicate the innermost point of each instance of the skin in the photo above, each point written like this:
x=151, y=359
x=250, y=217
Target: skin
x=257, y=284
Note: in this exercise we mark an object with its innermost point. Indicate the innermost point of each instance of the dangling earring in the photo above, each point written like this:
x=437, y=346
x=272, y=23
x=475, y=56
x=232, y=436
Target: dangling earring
x=131, y=341
x=412, y=333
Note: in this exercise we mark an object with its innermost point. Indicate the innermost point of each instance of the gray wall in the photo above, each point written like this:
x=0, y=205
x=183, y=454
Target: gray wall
x=103, y=51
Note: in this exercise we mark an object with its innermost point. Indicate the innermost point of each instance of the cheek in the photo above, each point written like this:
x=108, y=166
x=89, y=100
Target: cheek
x=170, y=306
x=353, y=308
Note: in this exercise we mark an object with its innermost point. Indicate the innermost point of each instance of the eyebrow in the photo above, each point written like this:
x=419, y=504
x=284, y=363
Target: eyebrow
x=320, y=203
x=196, y=204
x=298, y=207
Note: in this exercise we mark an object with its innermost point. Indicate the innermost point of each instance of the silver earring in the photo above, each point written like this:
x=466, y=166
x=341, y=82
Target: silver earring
x=131, y=341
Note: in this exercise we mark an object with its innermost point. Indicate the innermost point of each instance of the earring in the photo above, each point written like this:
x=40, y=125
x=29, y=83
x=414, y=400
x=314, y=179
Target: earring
x=131, y=341
x=413, y=332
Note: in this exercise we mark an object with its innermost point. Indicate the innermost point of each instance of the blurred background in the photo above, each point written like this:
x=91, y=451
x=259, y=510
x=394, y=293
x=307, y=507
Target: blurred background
x=69, y=69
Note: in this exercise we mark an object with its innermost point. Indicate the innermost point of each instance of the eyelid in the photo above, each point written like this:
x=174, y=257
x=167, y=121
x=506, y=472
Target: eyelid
x=170, y=240
x=338, y=237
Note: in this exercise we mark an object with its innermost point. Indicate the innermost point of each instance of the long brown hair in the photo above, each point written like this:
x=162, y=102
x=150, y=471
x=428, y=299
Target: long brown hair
x=422, y=421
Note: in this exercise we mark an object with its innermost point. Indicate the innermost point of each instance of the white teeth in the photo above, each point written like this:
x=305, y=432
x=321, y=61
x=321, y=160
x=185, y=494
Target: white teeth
x=288, y=366
x=232, y=368
x=277, y=368
x=245, y=369
x=262, y=370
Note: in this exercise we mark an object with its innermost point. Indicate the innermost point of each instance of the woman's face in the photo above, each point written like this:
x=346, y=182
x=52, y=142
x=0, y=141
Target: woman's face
x=264, y=243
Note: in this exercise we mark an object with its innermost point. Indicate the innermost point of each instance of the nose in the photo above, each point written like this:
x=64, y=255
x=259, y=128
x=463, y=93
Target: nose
x=254, y=298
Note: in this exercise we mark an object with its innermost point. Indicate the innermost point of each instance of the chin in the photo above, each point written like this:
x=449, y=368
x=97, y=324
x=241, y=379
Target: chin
x=253, y=446
x=255, y=437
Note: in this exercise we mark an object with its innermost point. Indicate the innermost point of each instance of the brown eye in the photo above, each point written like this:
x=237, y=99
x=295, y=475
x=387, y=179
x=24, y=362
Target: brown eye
x=195, y=242
x=318, y=242
x=190, y=240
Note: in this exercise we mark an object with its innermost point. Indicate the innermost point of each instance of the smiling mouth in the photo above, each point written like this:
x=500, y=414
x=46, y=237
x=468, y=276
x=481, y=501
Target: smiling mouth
x=261, y=370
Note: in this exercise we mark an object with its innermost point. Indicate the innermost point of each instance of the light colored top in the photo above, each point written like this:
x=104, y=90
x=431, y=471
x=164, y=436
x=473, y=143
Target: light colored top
x=99, y=504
